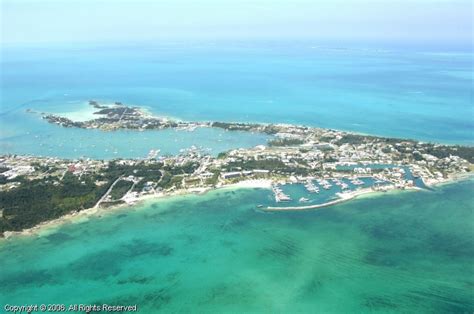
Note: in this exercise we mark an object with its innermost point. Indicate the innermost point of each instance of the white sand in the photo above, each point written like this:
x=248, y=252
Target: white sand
x=253, y=183
x=48, y=226
x=83, y=112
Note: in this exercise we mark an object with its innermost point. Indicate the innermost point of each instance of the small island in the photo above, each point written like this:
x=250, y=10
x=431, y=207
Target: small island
x=117, y=116
x=36, y=190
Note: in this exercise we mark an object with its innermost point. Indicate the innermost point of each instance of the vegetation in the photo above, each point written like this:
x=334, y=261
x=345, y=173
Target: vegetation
x=273, y=165
x=36, y=201
x=465, y=152
x=221, y=155
x=234, y=126
x=285, y=142
x=213, y=180
x=165, y=181
x=357, y=139
x=120, y=189
x=268, y=129
x=147, y=171
x=187, y=168
x=40, y=200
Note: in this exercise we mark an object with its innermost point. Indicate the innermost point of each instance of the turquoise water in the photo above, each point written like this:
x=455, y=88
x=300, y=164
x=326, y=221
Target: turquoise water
x=45, y=139
x=399, y=92
x=31, y=135
x=399, y=252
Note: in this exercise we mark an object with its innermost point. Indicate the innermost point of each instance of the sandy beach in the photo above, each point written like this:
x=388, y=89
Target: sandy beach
x=83, y=112
x=44, y=227
x=91, y=212
x=253, y=184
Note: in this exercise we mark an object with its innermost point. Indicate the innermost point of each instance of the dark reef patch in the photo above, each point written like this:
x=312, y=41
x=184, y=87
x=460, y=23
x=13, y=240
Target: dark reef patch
x=153, y=300
x=97, y=265
x=58, y=237
x=381, y=257
x=135, y=280
x=311, y=287
x=451, y=245
x=36, y=278
x=378, y=303
x=121, y=216
x=285, y=248
x=140, y=247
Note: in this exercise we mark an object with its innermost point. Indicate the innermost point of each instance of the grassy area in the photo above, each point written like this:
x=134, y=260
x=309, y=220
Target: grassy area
x=120, y=189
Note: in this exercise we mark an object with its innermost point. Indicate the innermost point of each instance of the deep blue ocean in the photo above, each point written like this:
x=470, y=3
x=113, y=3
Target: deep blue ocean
x=408, y=93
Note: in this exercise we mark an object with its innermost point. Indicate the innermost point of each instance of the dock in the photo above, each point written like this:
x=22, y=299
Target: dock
x=280, y=196
x=310, y=187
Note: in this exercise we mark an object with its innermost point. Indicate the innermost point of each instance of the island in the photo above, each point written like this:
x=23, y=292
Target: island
x=37, y=190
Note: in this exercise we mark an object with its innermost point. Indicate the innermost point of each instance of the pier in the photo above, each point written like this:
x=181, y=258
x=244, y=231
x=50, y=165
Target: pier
x=279, y=195
x=325, y=184
x=310, y=187
x=342, y=198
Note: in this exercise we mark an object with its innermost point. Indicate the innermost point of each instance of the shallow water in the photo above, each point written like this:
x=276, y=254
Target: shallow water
x=399, y=92
x=399, y=252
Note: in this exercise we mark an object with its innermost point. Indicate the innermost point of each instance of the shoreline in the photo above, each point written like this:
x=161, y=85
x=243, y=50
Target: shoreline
x=92, y=211
x=246, y=184
x=43, y=227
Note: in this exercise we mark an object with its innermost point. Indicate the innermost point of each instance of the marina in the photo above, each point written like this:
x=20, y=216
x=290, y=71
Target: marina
x=279, y=195
x=310, y=187
x=315, y=193
x=236, y=156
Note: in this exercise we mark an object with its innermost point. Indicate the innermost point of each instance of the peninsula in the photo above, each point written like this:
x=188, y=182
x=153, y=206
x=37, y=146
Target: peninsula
x=34, y=190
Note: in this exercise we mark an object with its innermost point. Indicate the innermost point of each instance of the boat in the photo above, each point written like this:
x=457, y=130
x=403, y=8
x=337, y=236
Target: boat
x=357, y=181
x=153, y=153
x=310, y=187
x=304, y=200
x=279, y=195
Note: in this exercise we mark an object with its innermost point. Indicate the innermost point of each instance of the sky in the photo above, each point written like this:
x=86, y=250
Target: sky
x=68, y=21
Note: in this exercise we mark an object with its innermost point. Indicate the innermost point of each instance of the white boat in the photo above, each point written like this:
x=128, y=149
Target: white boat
x=310, y=187
x=357, y=182
x=279, y=195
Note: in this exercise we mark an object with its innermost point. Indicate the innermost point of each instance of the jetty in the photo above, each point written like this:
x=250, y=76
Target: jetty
x=345, y=196
x=280, y=196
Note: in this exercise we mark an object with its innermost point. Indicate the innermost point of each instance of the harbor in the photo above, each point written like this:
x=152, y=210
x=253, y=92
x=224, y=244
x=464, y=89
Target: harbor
x=311, y=193
x=279, y=195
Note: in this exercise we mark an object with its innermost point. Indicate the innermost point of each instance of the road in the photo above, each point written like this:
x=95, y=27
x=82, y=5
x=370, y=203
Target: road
x=108, y=192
